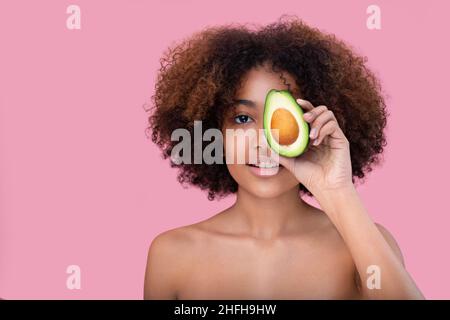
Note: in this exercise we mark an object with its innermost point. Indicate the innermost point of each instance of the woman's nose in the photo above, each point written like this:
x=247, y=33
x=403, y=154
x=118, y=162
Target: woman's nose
x=261, y=143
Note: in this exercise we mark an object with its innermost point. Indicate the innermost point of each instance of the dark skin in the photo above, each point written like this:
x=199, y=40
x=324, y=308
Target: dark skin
x=273, y=245
x=214, y=260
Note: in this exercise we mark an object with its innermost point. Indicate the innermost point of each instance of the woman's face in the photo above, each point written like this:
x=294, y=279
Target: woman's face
x=248, y=117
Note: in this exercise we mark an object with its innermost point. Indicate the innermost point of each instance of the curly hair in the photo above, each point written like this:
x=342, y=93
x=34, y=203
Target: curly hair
x=200, y=75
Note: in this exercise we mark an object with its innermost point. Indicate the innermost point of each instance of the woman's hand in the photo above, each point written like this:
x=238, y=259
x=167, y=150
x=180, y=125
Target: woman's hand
x=325, y=165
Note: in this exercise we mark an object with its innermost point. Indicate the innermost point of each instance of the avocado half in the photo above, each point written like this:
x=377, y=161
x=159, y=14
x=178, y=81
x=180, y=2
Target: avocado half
x=282, y=112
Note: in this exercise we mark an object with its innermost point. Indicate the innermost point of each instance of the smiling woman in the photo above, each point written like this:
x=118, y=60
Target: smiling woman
x=200, y=76
x=270, y=243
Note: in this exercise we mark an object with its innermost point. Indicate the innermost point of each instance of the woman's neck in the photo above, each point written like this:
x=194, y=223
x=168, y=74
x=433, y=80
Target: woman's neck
x=268, y=218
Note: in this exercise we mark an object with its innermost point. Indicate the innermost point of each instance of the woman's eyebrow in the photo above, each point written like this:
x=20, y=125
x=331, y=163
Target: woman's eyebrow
x=246, y=102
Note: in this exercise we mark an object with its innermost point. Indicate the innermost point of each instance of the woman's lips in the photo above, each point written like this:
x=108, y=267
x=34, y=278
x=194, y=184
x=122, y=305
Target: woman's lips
x=264, y=172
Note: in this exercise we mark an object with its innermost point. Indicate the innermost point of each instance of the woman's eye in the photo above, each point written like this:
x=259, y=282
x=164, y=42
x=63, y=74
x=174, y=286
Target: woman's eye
x=242, y=118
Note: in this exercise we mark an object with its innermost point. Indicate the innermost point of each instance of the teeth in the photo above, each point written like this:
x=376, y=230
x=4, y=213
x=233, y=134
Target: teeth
x=267, y=165
x=265, y=162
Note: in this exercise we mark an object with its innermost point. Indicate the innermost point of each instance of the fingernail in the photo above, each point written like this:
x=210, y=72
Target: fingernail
x=313, y=133
x=308, y=115
x=316, y=142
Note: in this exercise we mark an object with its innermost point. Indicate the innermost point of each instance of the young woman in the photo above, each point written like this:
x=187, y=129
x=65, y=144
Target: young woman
x=271, y=244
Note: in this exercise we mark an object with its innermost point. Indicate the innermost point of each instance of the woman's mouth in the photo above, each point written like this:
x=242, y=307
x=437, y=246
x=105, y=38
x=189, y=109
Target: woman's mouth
x=265, y=169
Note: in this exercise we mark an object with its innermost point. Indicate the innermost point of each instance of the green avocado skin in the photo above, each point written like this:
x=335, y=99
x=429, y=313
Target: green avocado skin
x=273, y=100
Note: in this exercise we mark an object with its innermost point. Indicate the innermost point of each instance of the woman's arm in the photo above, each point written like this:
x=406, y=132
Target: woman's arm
x=326, y=171
x=369, y=245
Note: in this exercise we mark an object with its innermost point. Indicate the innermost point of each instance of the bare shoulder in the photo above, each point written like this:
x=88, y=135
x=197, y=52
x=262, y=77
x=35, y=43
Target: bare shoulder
x=328, y=225
x=167, y=262
x=391, y=241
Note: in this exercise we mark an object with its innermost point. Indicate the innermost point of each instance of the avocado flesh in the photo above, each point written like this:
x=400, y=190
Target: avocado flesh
x=296, y=145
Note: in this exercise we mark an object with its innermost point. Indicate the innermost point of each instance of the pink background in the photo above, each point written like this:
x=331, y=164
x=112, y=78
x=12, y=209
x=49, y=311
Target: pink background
x=81, y=184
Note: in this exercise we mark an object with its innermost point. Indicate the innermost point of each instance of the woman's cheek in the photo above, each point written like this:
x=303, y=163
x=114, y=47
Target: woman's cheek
x=237, y=145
